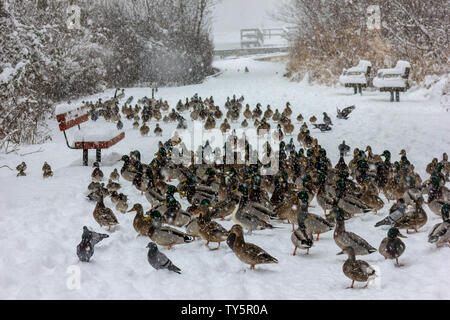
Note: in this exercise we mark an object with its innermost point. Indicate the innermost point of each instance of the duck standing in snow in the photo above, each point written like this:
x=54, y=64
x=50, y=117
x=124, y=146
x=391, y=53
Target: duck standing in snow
x=97, y=174
x=392, y=247
x=47, y=171
x=248, y=253
x=346, y=239
x=114, y=176
x=158, y=131
x=440, y=233
x=159, y=260
x=356, y=270
x=103, y=215
x=21, y=168
x=302, y=237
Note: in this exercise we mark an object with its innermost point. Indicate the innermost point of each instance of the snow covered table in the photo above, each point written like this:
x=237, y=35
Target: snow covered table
x=357, y=77
x=96, y=135
x=393, y=80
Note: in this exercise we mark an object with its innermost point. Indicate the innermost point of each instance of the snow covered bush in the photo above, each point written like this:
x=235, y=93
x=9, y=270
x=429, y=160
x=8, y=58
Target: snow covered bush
x=334, y=34
x=120, y=43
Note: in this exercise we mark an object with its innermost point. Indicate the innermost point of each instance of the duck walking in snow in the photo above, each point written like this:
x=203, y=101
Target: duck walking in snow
x=97, y=174
x=159, y=260
x=302, y=237
x=392, y=247
x=248, y=253
x=356, y=270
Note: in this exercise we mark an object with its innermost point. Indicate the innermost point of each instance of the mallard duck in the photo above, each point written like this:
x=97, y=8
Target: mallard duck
x=247, y=112
x=21, y=168
x=392, y=247
x=345, y=239
x=302, y=236
x=440, y=233
x=244, y=124
x=287, y=110
x=356, y=270
x=276, y=116
x=225, y=126
x=103, y=215
x=246, y=216
x=158, y=131
x=166, y=236
x=313, y=119
x=210, y=230
x=112, y=186
x=413, y=219
x=247, y=252
x=174, y=215
x=268, y=113
x=128, y=171
x=317, y=225
x=371, y=200
x=140, y=223
x=144, y=130
x=210, y=123
x=300, y=118
x=114, y=176
x=97, y=174
x=136, y=125
x=122, y=206
x=47, y=170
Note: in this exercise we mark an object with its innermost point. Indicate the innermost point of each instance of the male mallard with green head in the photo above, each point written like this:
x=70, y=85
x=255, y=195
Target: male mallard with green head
x=440, y=233
x=392, y=247
x=302, y=237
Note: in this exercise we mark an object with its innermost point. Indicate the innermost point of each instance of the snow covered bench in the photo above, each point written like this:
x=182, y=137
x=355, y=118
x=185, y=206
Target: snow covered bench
x=393, y=80
x=93, y=135
x=357, y=77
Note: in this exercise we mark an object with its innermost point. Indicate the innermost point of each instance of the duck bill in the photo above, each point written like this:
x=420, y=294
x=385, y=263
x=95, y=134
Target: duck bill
x=339, y=253
x=402, y=236
x=131, y=210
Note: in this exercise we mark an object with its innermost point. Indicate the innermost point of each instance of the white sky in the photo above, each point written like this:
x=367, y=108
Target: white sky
x=233, y=15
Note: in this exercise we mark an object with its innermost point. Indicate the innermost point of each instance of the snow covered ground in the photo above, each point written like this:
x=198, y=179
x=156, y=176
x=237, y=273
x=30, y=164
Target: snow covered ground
x=41, y=220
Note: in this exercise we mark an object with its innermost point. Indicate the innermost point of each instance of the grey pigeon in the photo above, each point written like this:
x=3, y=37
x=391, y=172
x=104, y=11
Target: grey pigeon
x=130, y=99
x=327, y=119
x=159, y=260
x=345, y=112
x=85, y=249
x=94, y=237
x=395, y=213
x=343, y=149
x=119, y=125
x=322, y=126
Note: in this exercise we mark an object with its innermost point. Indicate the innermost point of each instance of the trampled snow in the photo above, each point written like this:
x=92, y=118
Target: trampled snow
x=41, y=220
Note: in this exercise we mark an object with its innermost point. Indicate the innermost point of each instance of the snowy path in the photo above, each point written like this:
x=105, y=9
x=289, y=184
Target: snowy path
x=41, y=220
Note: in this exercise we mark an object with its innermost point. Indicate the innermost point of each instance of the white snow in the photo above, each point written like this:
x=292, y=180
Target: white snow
x=355, y=75
x=99, y=130
x=41, y=220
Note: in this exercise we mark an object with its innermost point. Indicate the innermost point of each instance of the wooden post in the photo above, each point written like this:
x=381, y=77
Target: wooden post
x=98, y=155
x=397, y=96
x=355, y=89
x=360, y=90
x=85, y=157
x=392, y=96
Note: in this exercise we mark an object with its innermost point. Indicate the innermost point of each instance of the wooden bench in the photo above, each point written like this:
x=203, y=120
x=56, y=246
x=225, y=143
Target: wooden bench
x=357, y=77
x=93, y=136
x=394, y=80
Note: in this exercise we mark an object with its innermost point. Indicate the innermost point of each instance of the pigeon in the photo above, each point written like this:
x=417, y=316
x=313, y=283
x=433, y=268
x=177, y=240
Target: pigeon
x=395, y=213
x=345, y=112
x=94, y=237
x=322, y=126
x=94, y=116
x=119, y=125
x=327, y=119
x=130, y=99
x=343, y=149
x=158, y=260
x=85, y=249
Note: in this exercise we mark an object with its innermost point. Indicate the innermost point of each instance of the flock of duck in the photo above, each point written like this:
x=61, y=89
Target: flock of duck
x=257, y=201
